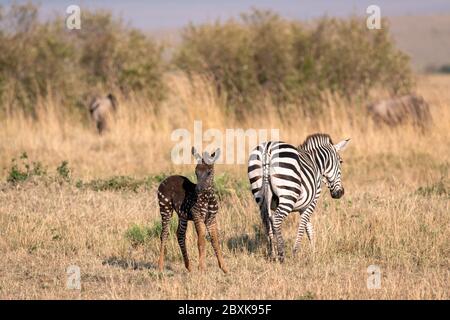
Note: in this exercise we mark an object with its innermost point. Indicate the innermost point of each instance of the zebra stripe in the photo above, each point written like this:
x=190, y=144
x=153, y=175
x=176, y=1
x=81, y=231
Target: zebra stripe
x=288, y=179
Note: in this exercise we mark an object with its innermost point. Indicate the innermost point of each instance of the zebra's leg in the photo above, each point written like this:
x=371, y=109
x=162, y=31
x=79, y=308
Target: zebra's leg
x=166, y=215
x=310, y=233
x=301, y=230
x=269, y=226
x=201, y=232
x=272, y=246
x=305, y=217
x=282, y=211
x=267, y=223
x=101, y=125
x=181, y=237
x=213, y=233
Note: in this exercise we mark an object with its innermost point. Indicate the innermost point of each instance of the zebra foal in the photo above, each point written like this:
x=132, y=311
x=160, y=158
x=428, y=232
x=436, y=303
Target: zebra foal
x=195, y=202
x=287, y=179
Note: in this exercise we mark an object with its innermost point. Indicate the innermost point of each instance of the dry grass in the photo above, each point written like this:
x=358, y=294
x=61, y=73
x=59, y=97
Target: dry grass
x=47, y=225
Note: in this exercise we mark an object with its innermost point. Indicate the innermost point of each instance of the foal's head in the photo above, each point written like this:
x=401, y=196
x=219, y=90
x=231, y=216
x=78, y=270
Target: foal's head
x=205, y=169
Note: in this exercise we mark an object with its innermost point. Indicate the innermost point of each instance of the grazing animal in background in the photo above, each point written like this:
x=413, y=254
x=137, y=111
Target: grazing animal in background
x=285, y=179
x=401, y=109
x=101, y=110
x=195, y=202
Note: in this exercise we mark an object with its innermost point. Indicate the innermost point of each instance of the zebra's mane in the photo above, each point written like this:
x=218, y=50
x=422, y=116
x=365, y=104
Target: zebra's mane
x=314, y=140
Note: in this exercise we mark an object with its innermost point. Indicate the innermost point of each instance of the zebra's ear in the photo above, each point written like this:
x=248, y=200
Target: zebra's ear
x=340, y=146
x=195, y=154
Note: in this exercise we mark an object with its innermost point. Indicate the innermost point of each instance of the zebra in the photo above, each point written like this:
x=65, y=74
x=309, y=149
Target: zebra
x=287, y=179
x=101, y=110
x=195, y=202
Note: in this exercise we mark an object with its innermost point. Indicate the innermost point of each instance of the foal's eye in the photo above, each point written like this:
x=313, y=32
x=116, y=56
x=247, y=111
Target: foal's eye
x=341, y=161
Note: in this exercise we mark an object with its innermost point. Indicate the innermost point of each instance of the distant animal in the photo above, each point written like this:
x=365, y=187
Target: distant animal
x=101, y=110
x=401, y=109
x=286, y=179
x=195, y=202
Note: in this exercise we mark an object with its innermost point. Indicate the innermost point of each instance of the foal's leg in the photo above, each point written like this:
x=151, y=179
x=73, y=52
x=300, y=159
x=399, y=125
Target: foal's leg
x=212, y=230
x=181, y=236
x=166, y=214
x=201, y=232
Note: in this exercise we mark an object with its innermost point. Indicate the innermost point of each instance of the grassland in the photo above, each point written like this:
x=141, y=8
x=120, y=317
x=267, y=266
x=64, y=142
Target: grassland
x=395, y=213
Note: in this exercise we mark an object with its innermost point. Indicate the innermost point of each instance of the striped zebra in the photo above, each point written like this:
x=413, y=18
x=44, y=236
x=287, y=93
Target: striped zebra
x=285, y=179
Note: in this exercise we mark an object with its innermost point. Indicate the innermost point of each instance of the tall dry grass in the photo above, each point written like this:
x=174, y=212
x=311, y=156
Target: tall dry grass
x=140, y=140
x=395, y=213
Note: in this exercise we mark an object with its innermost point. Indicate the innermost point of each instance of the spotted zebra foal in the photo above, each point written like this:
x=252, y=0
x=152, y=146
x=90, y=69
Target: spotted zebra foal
x=195, y=202
x=286, y=179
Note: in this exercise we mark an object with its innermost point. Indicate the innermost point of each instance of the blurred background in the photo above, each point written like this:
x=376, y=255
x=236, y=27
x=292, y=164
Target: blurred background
x=420, y=28
x=139, y=70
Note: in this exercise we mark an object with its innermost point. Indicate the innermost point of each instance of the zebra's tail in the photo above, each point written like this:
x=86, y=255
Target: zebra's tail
x=266, y=192
x=266, y=200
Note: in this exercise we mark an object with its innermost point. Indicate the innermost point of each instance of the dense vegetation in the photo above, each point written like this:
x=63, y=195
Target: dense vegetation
x=258, y=57
x=262, y=55
x=38, y=59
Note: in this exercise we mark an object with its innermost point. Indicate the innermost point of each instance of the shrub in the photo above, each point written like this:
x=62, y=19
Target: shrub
x=122, y=183
x=140, y=235
x=63, y=170
x=264, y=56
x=38, y=59
x=117, y=183
x=137, y=235
x=226, y=184
x=23, y=171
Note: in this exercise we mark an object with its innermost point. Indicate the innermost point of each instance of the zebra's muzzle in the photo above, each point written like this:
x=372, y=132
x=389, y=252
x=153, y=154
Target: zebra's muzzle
x=337, y=194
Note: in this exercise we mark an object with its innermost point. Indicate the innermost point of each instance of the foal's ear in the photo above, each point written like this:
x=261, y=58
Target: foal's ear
x=215, y=155
x=210, y=159
x=340, y=146
x=196, y=155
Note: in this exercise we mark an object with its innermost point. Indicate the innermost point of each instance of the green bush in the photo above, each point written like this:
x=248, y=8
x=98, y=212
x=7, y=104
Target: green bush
x=63, y=171
x=121, y=183
x=262, y=55
x=225, y=185
x=255, y=58
x=137, y=235
x=24, y=171
x=140, y=235
x=117, y=183
x=42, y=58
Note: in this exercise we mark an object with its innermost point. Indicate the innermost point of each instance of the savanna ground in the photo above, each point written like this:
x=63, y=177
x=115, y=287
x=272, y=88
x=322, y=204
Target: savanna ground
x=395, y=212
